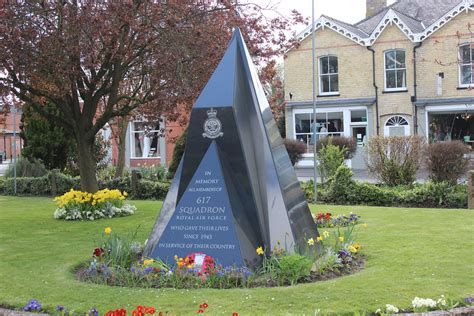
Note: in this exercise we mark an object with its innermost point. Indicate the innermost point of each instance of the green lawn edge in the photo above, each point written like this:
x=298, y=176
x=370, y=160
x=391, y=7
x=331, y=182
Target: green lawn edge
x=409, y=252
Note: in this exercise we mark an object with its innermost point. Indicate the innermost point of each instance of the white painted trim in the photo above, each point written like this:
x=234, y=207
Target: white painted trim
x=444, y=108
x=386, y=129
x=460, y=65
x=395, y=69
x=328, y=74
x=391, y=17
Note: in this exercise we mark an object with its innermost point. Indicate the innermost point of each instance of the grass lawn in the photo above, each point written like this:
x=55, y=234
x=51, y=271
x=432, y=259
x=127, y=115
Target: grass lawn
x=410, y=252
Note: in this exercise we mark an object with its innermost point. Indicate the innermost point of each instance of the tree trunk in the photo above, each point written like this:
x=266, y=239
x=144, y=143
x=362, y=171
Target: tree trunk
x=122, y=134
x=87, y=165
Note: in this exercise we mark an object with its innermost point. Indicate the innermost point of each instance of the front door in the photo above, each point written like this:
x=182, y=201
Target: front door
x=359, y=133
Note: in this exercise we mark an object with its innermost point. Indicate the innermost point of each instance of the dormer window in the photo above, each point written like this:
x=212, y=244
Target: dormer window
x=395, y=70
x=466, y=65
x=328, y=75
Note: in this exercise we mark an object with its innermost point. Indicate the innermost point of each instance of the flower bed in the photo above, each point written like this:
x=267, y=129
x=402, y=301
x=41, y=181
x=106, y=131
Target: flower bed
x=78, y=205
x=327, y=220
x=117, y=261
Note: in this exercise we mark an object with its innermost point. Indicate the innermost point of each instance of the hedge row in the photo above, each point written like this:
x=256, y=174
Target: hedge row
x=344, y=190
x=41, y=186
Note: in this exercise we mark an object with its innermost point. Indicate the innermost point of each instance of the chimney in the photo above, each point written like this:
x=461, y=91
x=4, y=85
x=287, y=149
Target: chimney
x=374, y=6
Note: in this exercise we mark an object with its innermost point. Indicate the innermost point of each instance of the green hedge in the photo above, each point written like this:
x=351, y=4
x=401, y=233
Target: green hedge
x=41, y=186
x=342, y=189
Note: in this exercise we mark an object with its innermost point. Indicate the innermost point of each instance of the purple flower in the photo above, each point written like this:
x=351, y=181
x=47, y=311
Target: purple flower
x=147, y=270
x=33, y=305
x=93, y=312
x=469, y=300
x=133, y=269
x=60, y=308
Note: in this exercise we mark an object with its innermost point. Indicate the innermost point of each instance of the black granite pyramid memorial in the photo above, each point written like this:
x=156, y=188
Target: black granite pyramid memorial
x=235, y=188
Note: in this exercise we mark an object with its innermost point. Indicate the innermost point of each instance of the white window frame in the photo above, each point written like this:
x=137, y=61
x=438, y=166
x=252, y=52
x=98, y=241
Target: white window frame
x=320, y=74
x=132, y=133
x=465, y=85
x=346, y=116
x=387, y=127
x=405, y=88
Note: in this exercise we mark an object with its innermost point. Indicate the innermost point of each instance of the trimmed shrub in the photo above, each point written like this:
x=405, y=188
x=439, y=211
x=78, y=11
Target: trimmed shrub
x=178, y=152
x=147, y=190
x=27, y=186
x=330, y=158
x=295, y=149
x=27, y=168
x=347, y=143
x=340, y=185
x=446, y=161
x=394, y=160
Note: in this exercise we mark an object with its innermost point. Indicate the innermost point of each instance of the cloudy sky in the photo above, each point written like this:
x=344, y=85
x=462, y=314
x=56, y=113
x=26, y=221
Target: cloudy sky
x=345, y=10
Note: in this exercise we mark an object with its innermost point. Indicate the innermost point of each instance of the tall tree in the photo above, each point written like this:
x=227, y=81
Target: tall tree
x=97, y=60
x=44, y=140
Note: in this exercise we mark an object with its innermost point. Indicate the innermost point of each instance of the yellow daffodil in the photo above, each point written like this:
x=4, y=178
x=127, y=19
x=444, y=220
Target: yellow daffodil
x=148, y=262
x=320, y=238
x=107, y=230
x=175, y=258
x=325, y=234
x=260, y=251
x=311, y=241
x=357, y=246
x=341, y=239
x=352, y=249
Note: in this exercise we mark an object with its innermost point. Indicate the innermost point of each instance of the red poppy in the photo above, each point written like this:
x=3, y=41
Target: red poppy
x=120, y=312
x=150, y=310
x=320, y=216
x=200, y=311
x=98, y=252
x=205, y=305
x=235, y=314
x=327, y=216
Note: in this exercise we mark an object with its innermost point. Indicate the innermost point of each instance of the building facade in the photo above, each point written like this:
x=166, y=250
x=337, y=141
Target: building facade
x=407, y=69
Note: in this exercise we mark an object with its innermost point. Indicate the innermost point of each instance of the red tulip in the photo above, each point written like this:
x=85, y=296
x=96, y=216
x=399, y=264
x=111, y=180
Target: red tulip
x=98, y=252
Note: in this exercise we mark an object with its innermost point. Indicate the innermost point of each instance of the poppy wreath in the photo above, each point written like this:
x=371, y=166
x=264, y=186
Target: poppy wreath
x=208, y=264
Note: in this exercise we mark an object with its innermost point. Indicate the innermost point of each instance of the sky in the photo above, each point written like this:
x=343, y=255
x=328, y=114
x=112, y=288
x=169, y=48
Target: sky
x=350, y=11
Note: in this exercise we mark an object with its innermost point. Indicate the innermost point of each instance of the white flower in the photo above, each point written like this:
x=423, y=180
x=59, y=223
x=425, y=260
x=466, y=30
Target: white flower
x=423, y=302
x=378, y=311
x=391, y=309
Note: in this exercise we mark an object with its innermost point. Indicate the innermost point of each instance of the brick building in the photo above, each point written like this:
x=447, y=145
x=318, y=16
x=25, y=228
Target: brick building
x=406, y=69
x=146, y=143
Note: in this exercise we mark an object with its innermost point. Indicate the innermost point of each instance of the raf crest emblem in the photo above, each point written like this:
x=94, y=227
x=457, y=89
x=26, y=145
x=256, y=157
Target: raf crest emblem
x=212, y=125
